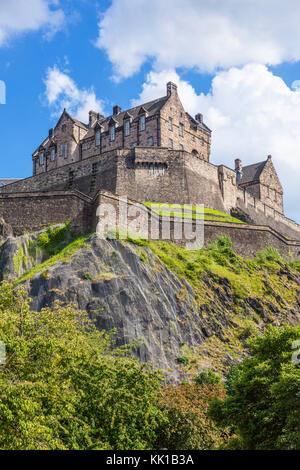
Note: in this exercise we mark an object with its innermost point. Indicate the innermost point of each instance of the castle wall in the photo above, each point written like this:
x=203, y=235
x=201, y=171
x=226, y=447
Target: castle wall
x=154, y=175
x=203, y=185
x=247, y=240
x=262, y=214
x=87, y=176
x=34, y=211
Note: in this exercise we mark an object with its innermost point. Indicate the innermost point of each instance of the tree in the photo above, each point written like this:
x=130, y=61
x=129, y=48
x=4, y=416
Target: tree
x=263, y=404
x=188, y=426
x=64, y=386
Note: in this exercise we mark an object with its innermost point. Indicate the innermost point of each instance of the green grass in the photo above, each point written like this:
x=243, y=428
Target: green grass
x=63, y=255
x=195, y=214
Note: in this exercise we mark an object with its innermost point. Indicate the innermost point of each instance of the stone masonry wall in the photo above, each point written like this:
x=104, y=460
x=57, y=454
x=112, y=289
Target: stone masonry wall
x=246, y=239
x=33, y=211
x=262, y=214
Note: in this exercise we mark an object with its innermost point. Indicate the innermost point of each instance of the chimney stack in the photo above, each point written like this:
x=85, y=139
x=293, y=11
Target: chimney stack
x=269, y=157
x=199, y=118
x=171, y=88
x=93, y=116
x=238, y=170
x=116, y=110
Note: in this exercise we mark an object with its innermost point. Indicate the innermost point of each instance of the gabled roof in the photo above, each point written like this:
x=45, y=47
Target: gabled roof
x=251, y=173
x=78, y=123
x=152, y=108
x=197, y=123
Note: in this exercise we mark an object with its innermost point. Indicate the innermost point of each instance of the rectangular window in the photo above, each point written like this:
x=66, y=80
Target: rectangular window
x=170, y=124
x=275, y=196
x=127, y=128
x=112, y=133
x=143, y=123
x=61, y=151
x=98, y=138
x=52, y=155
x=66, y=150
x=170, y=143
x=180, y=147
x=268, y=190
x=42, y=158
x=150, y=141
x=181, y=130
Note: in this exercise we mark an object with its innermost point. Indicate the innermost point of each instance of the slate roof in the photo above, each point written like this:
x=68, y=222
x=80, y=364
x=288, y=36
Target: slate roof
x=251, y=173
x=152, y=108
x=4, y=182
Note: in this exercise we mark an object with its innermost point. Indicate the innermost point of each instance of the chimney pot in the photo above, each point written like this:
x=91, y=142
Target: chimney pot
x=269, y=157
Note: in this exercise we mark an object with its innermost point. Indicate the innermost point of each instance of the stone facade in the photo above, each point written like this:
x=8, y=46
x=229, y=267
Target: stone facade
x=160, y=123
x=261, y=181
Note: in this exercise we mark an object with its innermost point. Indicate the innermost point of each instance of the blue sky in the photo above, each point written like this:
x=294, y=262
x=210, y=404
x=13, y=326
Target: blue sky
x=238, y=64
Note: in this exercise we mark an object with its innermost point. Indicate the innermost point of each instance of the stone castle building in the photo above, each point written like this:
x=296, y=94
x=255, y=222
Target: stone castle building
x=159, y=123
x=154, y=152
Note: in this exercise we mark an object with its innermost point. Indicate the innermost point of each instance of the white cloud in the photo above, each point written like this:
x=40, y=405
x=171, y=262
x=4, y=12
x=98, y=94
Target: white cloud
x=62, y=92
x=252, y=113
x=21, y=16
x=205, y=34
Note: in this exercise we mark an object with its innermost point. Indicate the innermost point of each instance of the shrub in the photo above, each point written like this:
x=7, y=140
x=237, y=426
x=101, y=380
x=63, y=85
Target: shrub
x=268, y=254
x=182, y=360
x=55, y=238
x=207, y=377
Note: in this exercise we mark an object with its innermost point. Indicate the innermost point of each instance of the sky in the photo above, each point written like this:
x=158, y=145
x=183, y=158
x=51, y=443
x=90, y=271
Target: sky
x=236, y=62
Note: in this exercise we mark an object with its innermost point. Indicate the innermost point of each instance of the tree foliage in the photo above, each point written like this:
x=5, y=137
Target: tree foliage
x=188, y=426
x=64, y=386
x=263, y=404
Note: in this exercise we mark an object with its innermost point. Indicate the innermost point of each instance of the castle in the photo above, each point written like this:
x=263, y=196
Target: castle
x=154, y=152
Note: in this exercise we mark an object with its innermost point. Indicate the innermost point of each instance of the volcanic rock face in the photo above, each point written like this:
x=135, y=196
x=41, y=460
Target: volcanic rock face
x=126, y=287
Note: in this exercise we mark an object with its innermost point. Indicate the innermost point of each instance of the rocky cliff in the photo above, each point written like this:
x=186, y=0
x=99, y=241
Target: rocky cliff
x=188, y=309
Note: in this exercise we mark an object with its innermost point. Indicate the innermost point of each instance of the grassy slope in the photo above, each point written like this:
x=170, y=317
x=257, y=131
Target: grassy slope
x=268, y=282
x=191, y=212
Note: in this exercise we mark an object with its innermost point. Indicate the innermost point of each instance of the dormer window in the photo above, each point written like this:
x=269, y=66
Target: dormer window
x=42, y=158
x=98, y=138
x=143, y=123
x=127, y=128
x=112, y=133
x=181, y=130
x=52, y=155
